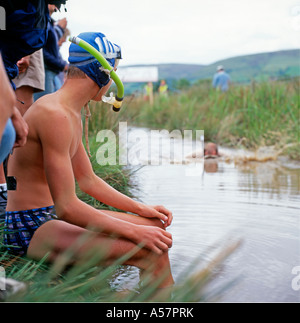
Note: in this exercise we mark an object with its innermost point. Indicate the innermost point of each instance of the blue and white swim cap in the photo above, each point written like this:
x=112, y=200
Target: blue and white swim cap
x=89, y=64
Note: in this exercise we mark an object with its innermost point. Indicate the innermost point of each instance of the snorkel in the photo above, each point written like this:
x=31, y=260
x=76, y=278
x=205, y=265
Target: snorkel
x=116, y=102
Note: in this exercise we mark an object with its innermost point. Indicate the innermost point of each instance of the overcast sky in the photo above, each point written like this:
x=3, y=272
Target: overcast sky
x=187, y=31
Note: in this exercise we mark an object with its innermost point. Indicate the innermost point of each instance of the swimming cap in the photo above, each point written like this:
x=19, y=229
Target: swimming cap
x=82, y=59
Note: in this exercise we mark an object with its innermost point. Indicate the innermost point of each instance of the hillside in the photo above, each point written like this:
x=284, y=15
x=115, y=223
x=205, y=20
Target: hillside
x=285, y=63
x=257, y=66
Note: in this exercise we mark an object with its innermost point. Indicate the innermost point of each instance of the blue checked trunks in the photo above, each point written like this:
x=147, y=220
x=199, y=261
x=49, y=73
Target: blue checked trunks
x=20, y=227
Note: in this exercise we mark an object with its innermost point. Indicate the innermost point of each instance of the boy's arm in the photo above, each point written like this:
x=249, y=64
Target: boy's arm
x=56, y=145
x=103, y=192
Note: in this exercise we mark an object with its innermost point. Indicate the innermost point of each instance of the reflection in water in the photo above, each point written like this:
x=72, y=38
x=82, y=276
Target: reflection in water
x=211, y=166
x=257, y=202
x=274, y=177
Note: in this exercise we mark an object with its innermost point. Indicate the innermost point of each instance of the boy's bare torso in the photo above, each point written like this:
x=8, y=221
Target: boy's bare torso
x=43, y=119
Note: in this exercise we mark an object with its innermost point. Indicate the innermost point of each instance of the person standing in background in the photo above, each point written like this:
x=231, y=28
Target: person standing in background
x=31, y=79
x=54, y=64
x=62, y=32
x=163, y=88
x=149, y=92
x=221, y=79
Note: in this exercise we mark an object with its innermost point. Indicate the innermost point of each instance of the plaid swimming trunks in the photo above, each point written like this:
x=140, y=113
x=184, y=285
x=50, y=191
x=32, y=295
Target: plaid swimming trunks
x=21, y=225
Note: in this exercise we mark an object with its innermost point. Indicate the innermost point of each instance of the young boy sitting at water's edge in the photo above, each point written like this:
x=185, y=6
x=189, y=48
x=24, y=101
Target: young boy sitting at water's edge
x=46, y=169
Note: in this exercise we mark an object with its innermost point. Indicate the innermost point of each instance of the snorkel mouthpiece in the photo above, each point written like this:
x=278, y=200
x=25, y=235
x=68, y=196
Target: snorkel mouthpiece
x=116, y=102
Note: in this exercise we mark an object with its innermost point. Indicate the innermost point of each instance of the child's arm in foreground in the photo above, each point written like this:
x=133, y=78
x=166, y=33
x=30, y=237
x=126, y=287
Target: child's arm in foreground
x=56, y=145
x=101, y=191
x=7, y=101
x=9, y=110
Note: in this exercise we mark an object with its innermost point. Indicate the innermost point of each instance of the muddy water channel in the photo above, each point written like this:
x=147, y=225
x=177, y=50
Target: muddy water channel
x=220, y=199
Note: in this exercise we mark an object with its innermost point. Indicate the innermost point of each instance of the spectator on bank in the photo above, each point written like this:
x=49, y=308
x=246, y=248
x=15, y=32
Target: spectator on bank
x=31, y=79
x=62, y=32
x=53, y=61
x=221, y=79
x=163, y=88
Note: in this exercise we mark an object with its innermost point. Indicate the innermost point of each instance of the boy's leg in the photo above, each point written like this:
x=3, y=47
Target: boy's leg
x=58, y=236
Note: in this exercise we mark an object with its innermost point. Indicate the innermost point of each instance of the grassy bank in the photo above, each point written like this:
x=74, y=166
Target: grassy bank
x=254, y=115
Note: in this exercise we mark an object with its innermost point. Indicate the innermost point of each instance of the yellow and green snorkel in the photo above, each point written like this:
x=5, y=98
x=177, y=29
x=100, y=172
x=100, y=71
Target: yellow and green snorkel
x=116, y=102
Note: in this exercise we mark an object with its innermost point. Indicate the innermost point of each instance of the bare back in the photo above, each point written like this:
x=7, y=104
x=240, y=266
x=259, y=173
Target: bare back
x=26, y=164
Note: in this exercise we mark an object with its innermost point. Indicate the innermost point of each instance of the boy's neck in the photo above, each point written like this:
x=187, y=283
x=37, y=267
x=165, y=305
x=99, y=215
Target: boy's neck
x=75, y=93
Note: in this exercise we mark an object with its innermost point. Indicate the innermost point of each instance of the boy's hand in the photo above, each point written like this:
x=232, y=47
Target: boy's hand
x=157, y=211
x=153, y=238
x=23, y=64
x=21, y=128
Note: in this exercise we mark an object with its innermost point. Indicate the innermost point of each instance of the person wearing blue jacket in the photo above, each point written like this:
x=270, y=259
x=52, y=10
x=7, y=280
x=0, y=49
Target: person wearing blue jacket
x=221, y=79
x=54, y=64
x=25, y=33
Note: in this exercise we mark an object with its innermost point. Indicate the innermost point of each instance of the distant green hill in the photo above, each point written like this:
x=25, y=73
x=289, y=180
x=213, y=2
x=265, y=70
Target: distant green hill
x=257, y=66
x=280, y=64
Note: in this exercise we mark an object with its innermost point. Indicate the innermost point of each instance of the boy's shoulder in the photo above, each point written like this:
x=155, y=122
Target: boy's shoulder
x=46, y=109
x=48, y=116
